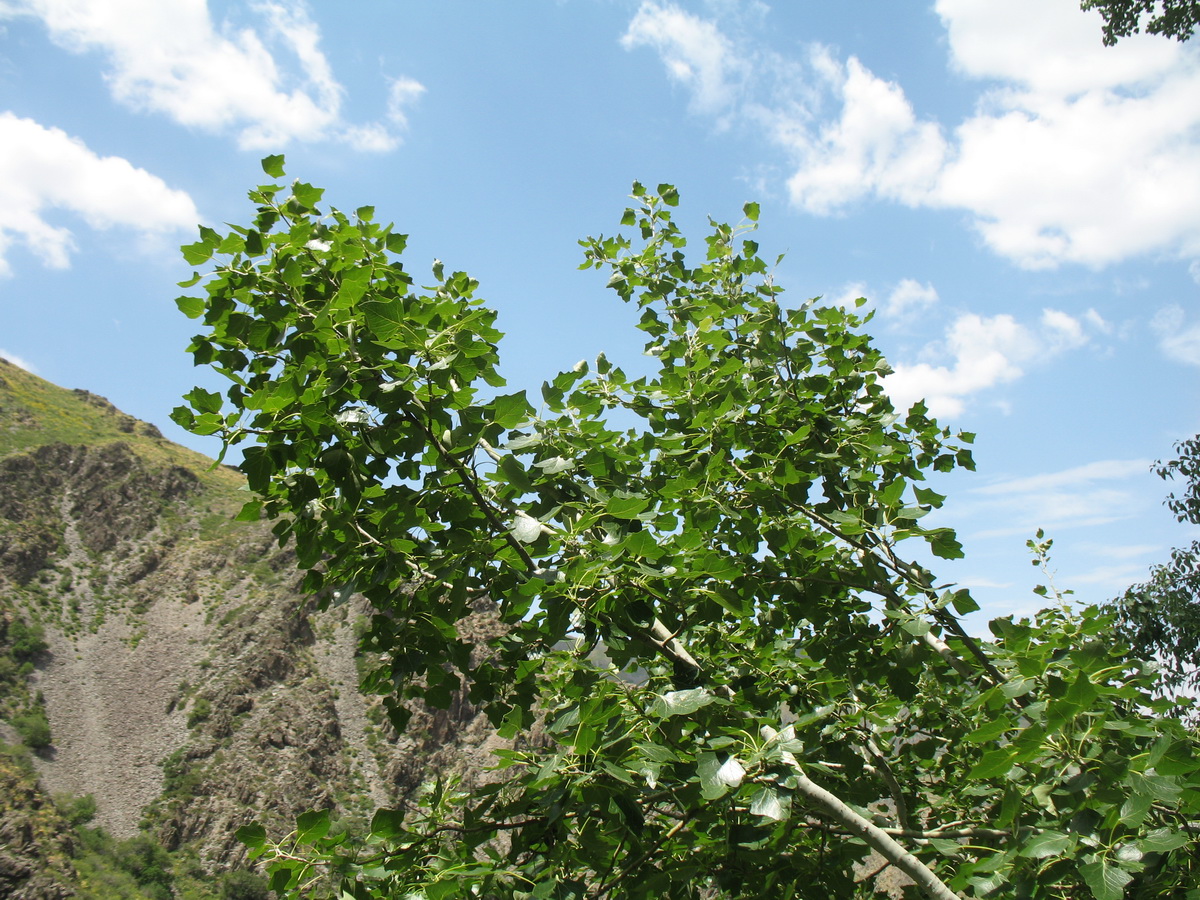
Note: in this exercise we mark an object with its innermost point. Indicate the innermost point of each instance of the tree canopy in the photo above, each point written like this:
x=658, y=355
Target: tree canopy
x=1161, y=616
x=785, y=703
x=1169, y=18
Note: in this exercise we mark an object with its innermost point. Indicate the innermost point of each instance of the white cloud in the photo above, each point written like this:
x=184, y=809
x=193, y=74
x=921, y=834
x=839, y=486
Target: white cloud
x=849, y=294
x=876, y=145
x=17, y=361
x=908, y=297
x=1048, y=47
x=44, y=169
x=1075, y=152
x=402, y=93
x=983, y=352
x=1179, y=339
x=171, y=58
x=694, y=52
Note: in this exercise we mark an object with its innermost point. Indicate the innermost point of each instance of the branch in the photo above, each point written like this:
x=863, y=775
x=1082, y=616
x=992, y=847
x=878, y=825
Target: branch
x=889, y=561
x=468, y=481
x=889, y=779
x=650, y=851
x=662, y=638
x=877, y=838
x=948, y=832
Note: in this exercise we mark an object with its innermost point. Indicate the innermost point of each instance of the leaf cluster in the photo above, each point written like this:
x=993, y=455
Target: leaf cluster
x=1170, y=18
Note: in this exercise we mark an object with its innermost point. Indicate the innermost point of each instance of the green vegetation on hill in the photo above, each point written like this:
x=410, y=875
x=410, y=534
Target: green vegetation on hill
x=57, y=846
x=35, y=413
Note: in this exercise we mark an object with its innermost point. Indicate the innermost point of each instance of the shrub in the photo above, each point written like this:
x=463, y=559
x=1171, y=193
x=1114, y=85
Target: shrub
x=201, y=710
x=27, y=640
x=33, y=728
x=76, y=810
x=243, y=885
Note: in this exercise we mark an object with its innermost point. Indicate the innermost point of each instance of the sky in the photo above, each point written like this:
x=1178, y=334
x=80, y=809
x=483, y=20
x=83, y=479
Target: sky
x=1019, y=204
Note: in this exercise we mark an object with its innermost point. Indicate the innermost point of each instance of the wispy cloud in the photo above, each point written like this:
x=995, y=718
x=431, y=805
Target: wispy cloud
x=979, y=353
x=1092, y=494
x=17, y=361
x=268, y=85
x=1178, y=338
x=695, y=52
x=1076, y=477
x=44, y=168
x=1075, y=152
x=908, y=297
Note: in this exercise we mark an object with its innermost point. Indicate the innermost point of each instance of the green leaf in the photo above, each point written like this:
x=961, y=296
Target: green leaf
x=192, y=307
x=312, y=826
x=386, y=319
x=769, y=803
x=718, y=776
x=253, y=836
x=273, y=165
x=555, y=465
x=994, y=764
x=281, y=877
x=750, y=211
x=943, y=543
x=963, y=603
x=510, y=410
x=626, y=507
x=387, y=825
x=354, y=285
x=250, y=512
x=1047, y=843
x=307, y=195
x=197, y=253
x=1163, y=840
x=203, y=401
x=681, y=703
x=1106, y=880
x=989, y=731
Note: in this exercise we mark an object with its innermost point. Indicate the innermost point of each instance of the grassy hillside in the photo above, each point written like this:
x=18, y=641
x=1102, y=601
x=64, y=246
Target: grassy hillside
x=36, y=413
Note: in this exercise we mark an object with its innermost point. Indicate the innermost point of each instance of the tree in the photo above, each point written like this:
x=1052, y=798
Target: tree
x=1161, y=617
x=1170, y=18
x=729, y=525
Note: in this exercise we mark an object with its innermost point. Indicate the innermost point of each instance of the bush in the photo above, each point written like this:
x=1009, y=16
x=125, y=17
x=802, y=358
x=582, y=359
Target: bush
x=76, y=810
x=27, y=640
x=33, y=728
x=201, y=710
x=148, y=862
x=243, y=885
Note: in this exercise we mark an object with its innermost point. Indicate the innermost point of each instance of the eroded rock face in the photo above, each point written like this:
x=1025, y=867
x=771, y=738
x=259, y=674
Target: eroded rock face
x=175, y=636
x=189, y=686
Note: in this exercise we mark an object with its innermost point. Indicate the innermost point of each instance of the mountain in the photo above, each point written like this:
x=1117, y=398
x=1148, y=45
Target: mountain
x=157, y=656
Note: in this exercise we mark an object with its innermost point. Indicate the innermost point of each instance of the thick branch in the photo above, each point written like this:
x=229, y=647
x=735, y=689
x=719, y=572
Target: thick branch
x=877, y=838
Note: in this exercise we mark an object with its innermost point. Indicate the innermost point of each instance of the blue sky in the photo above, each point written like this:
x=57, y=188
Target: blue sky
x=1020, y=204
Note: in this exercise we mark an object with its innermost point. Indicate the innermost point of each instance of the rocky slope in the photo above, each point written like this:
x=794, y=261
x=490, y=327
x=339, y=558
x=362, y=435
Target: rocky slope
x=188, y=686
